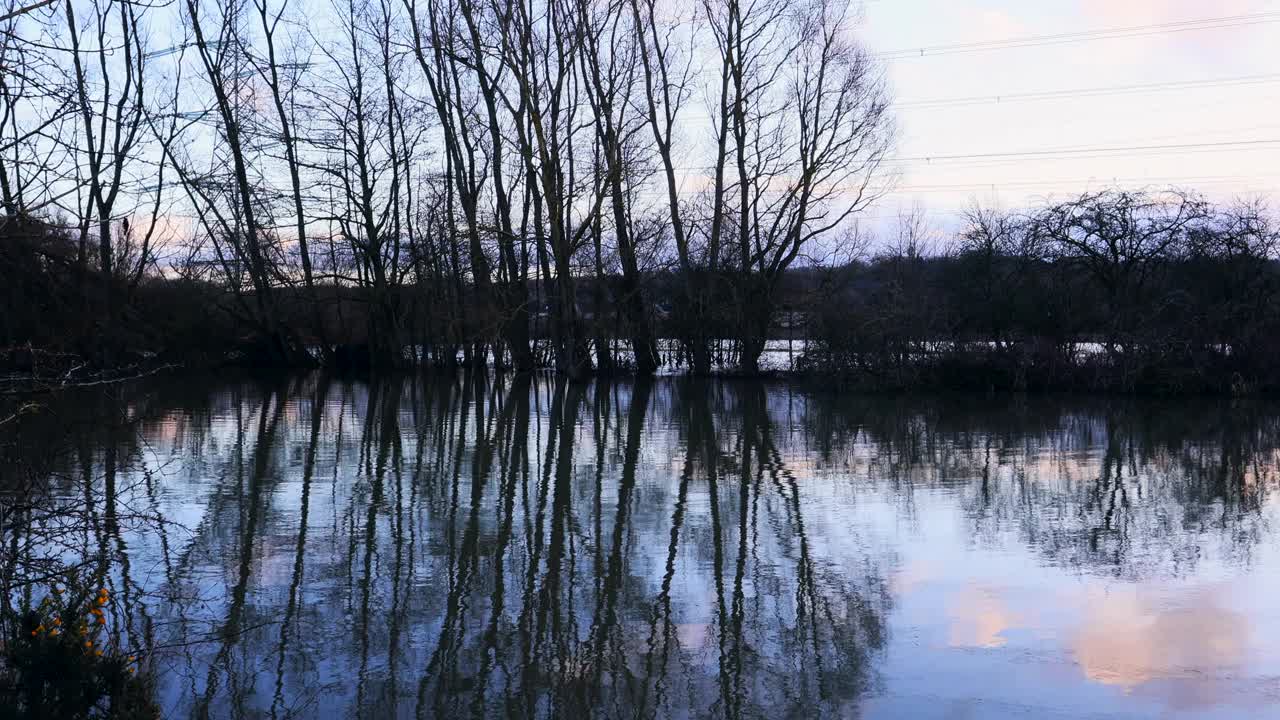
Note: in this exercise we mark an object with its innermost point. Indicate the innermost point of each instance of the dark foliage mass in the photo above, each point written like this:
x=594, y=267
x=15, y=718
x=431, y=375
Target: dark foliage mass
x=1114, y=290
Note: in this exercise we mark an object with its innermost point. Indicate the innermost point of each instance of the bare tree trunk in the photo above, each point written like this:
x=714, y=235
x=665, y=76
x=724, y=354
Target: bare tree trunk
x=243, y=230
x=600, y=304
x=513, y=294
x=610, y=80
x=282, y=101
x=444, y=80
x=111, y=122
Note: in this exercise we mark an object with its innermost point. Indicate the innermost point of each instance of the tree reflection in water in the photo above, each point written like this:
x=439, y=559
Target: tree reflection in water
x=489, y=547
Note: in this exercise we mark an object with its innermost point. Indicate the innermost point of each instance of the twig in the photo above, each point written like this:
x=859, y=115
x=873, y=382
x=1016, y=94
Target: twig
x=28, y=9
x=64, y=385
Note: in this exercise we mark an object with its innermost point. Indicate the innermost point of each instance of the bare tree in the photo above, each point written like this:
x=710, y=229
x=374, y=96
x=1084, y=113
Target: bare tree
x=608, y=64
x=668, y=82
x=282, y=70
x=362, y=144
x=540, y=50
x=804, y=119
x=35, y=106
x=1121, y=239
x=513, y=290
x=229, y=208
x=111, y=107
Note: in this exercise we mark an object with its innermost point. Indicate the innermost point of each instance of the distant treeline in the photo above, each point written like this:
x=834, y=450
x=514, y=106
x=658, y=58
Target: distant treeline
x=1120, y=291
x=1110, y=291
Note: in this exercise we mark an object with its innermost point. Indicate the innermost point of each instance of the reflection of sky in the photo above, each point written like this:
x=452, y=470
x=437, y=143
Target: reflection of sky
x=992, y=630
x=1061, y=586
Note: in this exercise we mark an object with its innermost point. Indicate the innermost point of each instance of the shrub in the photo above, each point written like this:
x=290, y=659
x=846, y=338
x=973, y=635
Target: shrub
x=58, y=662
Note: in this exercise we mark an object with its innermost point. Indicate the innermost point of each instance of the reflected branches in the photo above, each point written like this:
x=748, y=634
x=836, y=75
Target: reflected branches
x=488, y=546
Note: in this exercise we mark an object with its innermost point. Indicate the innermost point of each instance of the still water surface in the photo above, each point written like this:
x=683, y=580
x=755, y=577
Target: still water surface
x=481, y=547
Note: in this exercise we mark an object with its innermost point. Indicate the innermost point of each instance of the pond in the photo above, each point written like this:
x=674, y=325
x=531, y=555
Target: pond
x=481, y=546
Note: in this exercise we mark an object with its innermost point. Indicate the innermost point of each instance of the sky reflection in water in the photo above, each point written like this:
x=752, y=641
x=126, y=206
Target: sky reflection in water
x=482, y=548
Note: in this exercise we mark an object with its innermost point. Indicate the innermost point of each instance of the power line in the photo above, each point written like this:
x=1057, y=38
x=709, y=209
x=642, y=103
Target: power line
x=1078, y=182
x=1228, y=145
x=1246, y=183
x=995, y=159
x=1094, y=92
x=1230, y=21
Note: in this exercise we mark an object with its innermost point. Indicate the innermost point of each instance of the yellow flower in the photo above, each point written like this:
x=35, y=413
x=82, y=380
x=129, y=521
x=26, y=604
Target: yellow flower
x=98, y=653
x=40, y=628
x=88, y=643
x=132, y=658
x=102, y=599
x=56, y=632
x=102, y=620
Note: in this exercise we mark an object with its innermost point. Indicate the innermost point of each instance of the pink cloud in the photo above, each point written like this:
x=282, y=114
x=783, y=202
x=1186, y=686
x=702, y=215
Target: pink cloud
x=996, y=24
x=1107, y=14
x=1142, y=12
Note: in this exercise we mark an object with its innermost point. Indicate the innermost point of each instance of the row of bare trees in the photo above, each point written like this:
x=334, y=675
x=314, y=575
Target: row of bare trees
x=450, y=181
